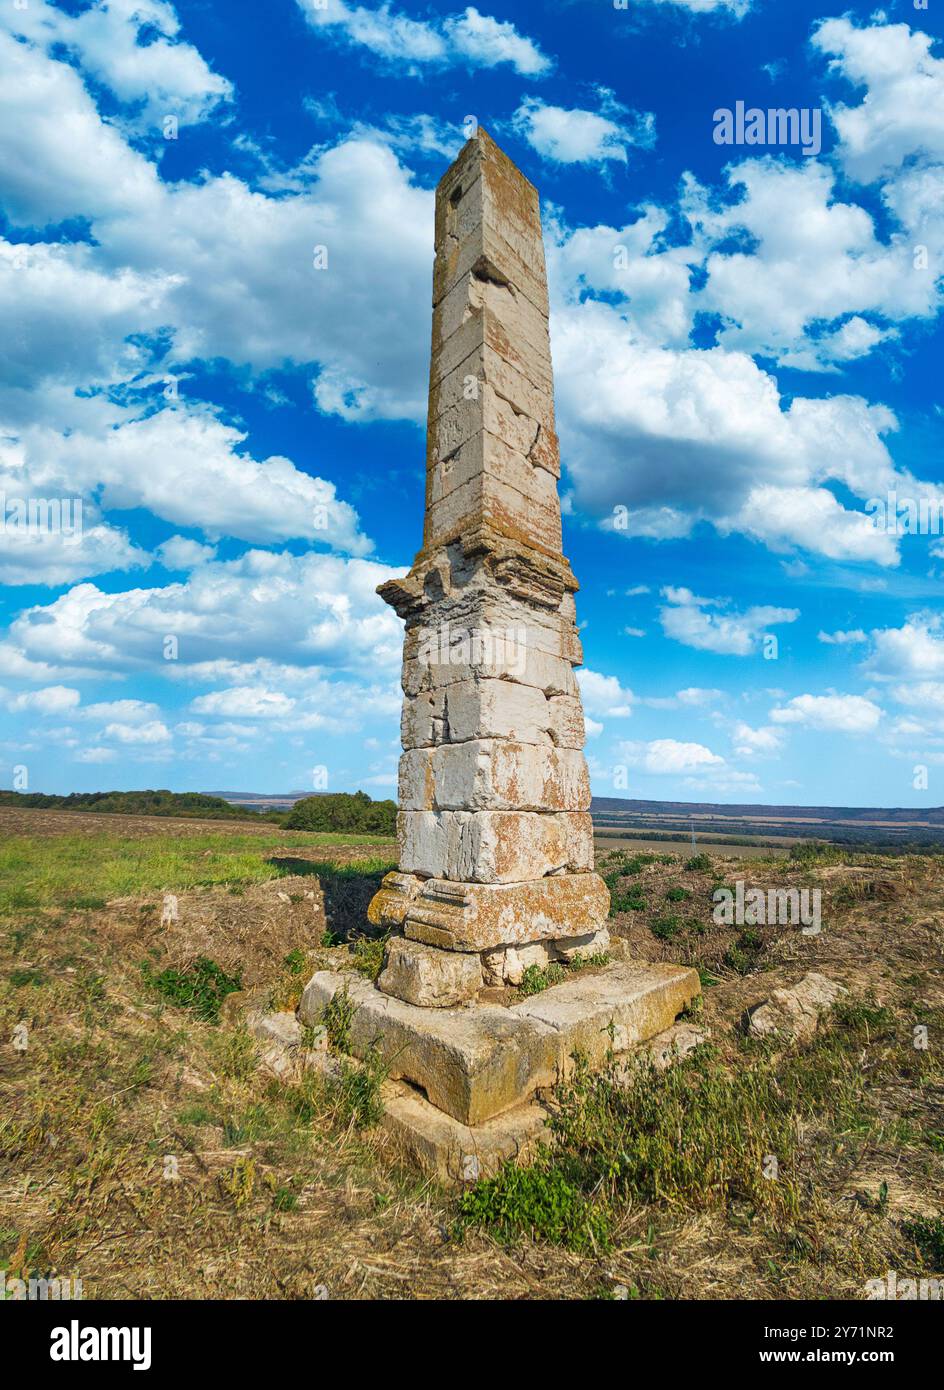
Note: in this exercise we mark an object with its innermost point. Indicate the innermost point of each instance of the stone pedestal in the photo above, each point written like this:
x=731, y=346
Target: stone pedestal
x=476, y=1063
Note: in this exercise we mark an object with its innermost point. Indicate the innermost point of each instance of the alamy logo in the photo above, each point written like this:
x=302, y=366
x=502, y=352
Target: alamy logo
x=75, y=1343
x=506, y=648
x=769, y=907
x=34, y=1290
x=907, y=516
x=26, y=517
x=753, y=125
x=893, y=1289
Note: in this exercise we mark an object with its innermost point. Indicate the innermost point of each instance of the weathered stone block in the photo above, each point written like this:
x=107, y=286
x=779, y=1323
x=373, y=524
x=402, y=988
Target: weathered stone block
x=464, y=422
x=674, y=1044
x=483, y=369
x=488, y=216
x=471, y=1062
x=478, y=916
x=429, y=977
x=423, y=841
x=496, y=709
x=484, y=188
x=568, y=728
x=506, y=964
x=518, y=663
x=473, y=307
x=480, y=624
x=524, y=519
x=469, y=622
x=795, y=1013
x=572, y=949
x=465, y=418
x=472, y=708
x=279, y=1027
x=517, y=846
x=452, y=1153
x=487, y=330
x=494, y=846
x=494, y=775
x=613, y=1009
x=391, y=902
x=485, y=453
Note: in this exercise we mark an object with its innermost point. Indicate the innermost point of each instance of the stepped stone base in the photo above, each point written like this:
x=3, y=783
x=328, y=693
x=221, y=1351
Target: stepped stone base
x=477, y=1061
x=455, y=1154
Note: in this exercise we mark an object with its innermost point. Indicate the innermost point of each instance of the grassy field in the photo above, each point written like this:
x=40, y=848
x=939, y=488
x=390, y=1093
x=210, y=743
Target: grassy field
x=144, y=1149
x=74, y=870
x=641, y=843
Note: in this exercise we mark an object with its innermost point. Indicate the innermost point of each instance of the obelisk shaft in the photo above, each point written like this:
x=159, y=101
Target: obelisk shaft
x=496, y=843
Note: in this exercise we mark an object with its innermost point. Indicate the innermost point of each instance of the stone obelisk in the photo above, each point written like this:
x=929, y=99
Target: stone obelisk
x=496, y=845
x=495, y=838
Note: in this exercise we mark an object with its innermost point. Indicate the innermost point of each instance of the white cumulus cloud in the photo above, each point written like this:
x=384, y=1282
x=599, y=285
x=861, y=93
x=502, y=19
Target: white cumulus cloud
x=469, y=38
x=709, y=625
x=846, y=714
x=576, y=136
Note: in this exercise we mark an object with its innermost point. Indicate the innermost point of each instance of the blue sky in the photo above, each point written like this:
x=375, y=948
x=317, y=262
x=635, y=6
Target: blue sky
x=747, y=347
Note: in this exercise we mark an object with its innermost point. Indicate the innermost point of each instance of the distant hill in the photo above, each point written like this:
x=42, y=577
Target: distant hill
x=901, y=829
x=614, y=805
x=264, y=801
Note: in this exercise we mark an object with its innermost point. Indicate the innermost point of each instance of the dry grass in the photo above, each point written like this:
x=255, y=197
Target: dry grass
x=277, y=1192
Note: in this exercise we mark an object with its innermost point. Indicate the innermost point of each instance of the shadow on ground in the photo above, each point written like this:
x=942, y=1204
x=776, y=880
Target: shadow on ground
x=346, y=890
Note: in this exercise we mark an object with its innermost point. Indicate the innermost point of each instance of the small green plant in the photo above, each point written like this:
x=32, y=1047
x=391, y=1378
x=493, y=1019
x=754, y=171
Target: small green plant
x=337, y=1016
x=737, y=960
x=234, y=1053
x=699, y=863
x=20, y=978
x=594, y=961
x=817, y=852
x=863, y=1014
x=201, y=987
x=369, y=955
x=294, y=962
x=664, y=928
x=239, y=1182
x=91, y=986
x=622, y=899
x=356, y=1090
x=284, y=1199
x=197, y=1115
x=537, y=978
x=625, y=866
x=329, y=939
x=626, y=900
x=927, y=1232
x=677, y=895
x=538, y=1201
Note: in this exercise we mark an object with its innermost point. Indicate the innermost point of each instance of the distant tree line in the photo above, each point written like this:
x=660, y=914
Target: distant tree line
x=340, y=811
x=145, y=803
